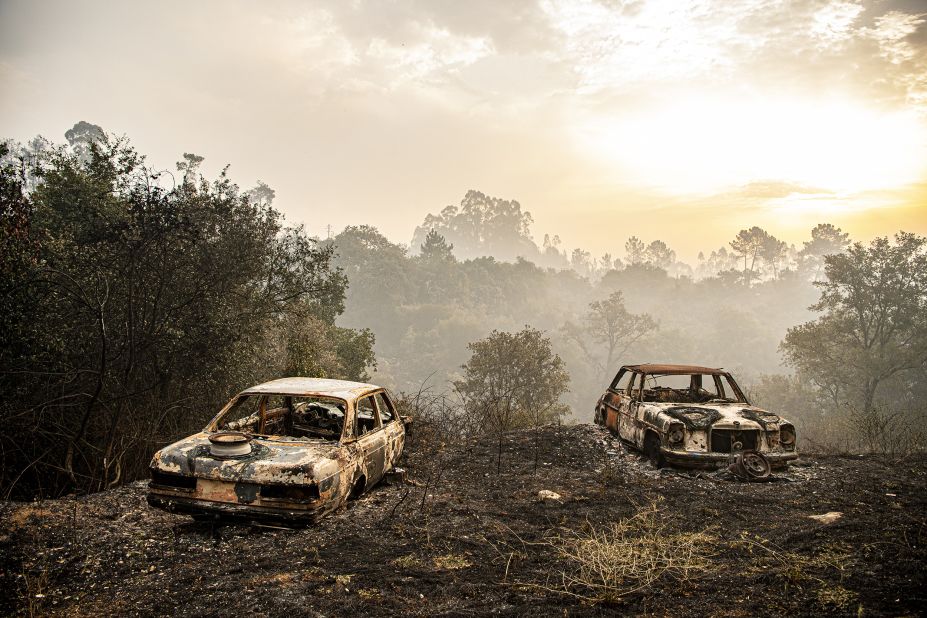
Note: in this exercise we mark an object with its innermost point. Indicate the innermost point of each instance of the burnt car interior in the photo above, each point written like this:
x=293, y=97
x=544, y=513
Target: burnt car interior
x=682, y=388
x=285, y=415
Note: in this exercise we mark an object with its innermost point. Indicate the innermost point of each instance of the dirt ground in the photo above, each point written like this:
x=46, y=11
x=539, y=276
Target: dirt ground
x=464, y=538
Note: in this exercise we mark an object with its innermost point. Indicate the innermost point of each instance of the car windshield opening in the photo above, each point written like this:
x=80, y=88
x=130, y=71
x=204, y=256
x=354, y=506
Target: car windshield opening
x=691, y=388
x=283, y=417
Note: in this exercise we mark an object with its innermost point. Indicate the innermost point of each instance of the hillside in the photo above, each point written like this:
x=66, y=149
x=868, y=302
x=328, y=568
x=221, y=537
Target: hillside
x=462, y=539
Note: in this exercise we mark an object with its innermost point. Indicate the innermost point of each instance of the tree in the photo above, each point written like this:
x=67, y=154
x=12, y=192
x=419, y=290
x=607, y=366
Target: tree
x=826, y=239
x=318, y=349
x=190, y=166
x=513, y=380
x=609, y=322
x=758, y=244
x=659, y=254
x=262, y=195
x=581, y=261
x=635, y=250
x=874, y=323
x=606, y=262
x=772, y=252
x=81, y=136
x=436, y=248
x=130, y=311
x=482, y=225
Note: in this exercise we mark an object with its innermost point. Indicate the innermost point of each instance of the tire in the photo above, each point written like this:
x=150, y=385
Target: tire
x=652, y=450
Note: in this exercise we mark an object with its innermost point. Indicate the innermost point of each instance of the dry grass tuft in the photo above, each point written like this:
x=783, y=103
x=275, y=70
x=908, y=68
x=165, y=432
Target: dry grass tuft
x=608, y=564
x=451, y=562
x=406, y=562
x=798, y=571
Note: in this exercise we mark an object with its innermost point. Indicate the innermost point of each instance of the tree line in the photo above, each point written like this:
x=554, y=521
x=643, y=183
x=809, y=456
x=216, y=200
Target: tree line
x=135, y=302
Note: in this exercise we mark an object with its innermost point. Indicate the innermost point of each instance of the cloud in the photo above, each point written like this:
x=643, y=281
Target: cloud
x=891, y=33
x=833, y=24
x=598, y=103
x=765, y=189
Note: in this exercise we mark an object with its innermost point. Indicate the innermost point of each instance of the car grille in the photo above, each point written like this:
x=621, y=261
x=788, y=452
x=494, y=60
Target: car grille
x=723, y=440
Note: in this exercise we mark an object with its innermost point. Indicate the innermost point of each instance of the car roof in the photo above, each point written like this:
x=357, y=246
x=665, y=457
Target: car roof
x=341, y=389
x=675, y=369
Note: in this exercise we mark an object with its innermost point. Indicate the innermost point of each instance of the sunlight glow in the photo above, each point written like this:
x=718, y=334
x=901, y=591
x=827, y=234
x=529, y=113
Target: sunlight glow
x=708, y=144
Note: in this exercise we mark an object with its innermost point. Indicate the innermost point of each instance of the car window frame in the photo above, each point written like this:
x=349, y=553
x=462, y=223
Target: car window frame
x=612, y=386
x=392, y=408
x=213, y=425
x=376, y=416
x=738, y=392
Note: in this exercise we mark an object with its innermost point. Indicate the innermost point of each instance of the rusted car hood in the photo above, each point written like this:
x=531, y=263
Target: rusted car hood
x=703, y=415
x=270, y=461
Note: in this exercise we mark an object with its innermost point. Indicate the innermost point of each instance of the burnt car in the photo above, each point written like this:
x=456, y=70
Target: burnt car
x=691, y=416
x=291, y=449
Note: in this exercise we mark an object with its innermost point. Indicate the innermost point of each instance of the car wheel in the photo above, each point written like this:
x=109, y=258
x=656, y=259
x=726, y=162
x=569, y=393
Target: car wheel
x=652, y=450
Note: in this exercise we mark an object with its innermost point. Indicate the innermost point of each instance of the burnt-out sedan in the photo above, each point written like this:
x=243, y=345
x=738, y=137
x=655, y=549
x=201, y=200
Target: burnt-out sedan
x=691, y=416
x=291, y=449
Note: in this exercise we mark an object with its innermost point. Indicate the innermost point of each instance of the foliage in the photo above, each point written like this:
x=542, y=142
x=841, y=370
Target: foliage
x=482, y=225
x=436, y=249
x=826, y=239
x=869, y=346
x=874, y=322
x=132, y=311
x=756, y=244
x=609, y=324
x=513, y=380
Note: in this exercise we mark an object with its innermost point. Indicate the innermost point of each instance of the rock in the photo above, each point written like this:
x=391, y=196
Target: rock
x=545, y=495
x=827, y=518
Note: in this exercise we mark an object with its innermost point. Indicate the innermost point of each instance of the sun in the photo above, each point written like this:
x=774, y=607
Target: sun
x=700, y=144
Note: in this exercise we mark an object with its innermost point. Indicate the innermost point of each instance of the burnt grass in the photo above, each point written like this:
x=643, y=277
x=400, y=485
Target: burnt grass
x=462, y=538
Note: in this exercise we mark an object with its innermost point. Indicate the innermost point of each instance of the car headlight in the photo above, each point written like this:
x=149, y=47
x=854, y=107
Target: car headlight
x=676, y=434
x=787, y=436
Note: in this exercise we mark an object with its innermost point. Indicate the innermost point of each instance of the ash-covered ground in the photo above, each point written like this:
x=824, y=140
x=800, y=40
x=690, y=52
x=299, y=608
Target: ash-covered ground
x=468, y=536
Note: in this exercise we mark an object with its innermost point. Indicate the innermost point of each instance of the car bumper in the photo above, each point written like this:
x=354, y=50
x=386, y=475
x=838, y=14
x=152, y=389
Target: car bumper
x=692, y=459
x=174, y=502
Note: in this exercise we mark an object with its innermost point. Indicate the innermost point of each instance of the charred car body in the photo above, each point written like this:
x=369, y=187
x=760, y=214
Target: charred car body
x=691, y=416
x=292, y=449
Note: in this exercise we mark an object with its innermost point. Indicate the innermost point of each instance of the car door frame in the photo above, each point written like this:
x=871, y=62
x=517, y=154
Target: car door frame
x=612, y=401
x=627, y=413
x=394, y=430
x=372, y=445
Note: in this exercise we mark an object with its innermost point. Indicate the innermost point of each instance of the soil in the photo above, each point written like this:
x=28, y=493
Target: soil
x=468, y=534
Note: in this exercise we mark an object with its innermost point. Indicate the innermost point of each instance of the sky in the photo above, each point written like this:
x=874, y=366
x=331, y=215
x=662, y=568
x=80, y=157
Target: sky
x=683, y=121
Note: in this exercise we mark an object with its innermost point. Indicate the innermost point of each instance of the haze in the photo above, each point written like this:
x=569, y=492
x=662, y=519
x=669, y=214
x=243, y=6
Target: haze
x=683, y=121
